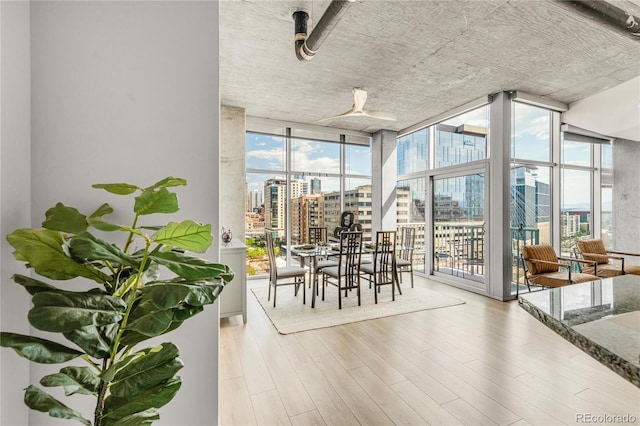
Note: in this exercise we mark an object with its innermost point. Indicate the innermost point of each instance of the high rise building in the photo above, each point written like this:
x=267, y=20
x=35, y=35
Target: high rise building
x=570, y=224
x=275, y=198
x=275, y=203
x=357, y=201
x=306, y=211
x=254, y=201
x=530, y=198
x=316, y=186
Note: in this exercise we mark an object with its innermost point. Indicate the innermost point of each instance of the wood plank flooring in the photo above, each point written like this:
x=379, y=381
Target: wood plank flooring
x=482, y=363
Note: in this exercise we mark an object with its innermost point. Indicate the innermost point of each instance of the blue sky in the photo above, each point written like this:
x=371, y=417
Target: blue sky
x=530, y=142
x=268, y=153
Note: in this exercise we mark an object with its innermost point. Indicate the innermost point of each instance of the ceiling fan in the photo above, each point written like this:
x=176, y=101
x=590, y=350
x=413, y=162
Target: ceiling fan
x=358, y=110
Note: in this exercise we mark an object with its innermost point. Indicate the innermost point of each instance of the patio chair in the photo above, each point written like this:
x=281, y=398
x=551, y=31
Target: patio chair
x=382, y=271
x=607, y=264
x=345, y=276
x=542, y=267
x=284, y=275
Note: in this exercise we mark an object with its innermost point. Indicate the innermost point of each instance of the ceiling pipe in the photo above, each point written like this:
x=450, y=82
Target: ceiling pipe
x=307, y=47
x=610, y=14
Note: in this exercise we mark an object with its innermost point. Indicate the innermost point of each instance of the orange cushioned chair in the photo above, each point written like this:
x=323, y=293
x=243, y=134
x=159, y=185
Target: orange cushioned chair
x=542, y=267
x=607, y=265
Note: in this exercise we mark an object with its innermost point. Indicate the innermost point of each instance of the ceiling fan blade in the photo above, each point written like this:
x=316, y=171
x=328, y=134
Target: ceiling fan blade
x=382, y=115
x=357, y=109
x=344, y=114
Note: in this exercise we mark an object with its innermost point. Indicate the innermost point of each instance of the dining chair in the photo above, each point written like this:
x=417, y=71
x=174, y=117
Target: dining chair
x=404, y=258
x=346, y=275
x=542, y=267
x=382, y=270
x=284, y=275
x=317, y=235
x=608, y=265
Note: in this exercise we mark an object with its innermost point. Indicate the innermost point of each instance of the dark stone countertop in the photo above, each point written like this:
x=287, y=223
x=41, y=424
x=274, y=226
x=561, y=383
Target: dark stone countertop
x=601, y=317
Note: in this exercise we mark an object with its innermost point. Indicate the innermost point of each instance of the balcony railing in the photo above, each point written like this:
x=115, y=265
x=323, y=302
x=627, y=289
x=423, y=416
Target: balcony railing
x=458, y=249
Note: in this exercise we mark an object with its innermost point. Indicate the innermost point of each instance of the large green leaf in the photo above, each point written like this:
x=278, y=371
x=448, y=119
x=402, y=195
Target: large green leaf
x=86, y=246
x=184, y=312
x=43, y=250
x=119, y=407
x=105, y=226
x=191, y=268
x=66, y=311
x=65, y=219
x=142, y=418
x=147, y=369
x=36, y=399
x=160, y=201
x=32, y=285
x=38, y=350
x=96, y=219
x=95, y=341
x=187, y=235
x=167, y=182
x=79, y=380
x=102, y=211
x=169, y=294
x=180, y=314
x=117, y=188
x=147, y=319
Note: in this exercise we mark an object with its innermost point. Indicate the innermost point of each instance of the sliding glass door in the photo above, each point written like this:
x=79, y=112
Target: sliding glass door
x=459, y=226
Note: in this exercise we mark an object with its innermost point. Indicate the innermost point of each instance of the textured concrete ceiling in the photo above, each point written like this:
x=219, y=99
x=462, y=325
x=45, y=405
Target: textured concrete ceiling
x=417, y=59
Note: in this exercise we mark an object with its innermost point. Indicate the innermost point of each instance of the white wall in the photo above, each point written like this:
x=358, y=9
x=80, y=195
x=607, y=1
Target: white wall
x=15, y=195
x=128, y=91
x=614, y=112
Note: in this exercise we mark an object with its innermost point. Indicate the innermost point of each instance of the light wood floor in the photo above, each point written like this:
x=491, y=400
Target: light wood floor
x=481, y=363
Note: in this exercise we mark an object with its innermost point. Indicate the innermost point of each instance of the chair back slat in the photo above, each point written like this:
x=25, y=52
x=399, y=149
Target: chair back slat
x=384, y=257
x=317, y=235
x=407, y=241
x=350, y=254
x=272, y=255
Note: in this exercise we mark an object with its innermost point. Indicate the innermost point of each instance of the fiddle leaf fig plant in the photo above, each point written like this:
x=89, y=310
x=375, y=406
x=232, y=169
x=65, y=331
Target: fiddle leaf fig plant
x=123, y=295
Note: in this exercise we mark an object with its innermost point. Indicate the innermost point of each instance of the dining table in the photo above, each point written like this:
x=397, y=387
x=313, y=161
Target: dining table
x=310, y=253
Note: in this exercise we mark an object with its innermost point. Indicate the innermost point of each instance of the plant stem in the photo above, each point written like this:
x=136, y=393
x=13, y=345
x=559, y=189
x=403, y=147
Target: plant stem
x=102, y=391
x=130, y=238
x=132, y=299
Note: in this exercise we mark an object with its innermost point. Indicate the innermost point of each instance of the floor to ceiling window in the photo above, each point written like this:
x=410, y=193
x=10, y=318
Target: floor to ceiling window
x=447, y=161
x=411, y=190
x=531, y=171
x=586, y=190
x=297, y=179
x=458, y=185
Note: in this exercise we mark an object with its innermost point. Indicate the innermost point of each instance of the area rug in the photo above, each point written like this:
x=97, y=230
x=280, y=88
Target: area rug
x=291, y=316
